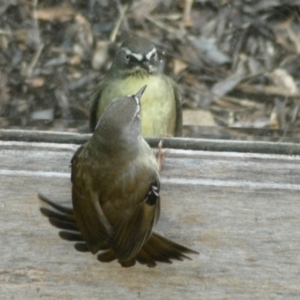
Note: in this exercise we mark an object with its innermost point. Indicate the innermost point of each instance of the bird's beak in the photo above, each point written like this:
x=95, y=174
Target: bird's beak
x=146, y=65
x=140, y=93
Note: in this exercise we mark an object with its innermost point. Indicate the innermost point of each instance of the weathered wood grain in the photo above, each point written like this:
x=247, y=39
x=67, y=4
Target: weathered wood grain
x=240, y=211
x=177, y=143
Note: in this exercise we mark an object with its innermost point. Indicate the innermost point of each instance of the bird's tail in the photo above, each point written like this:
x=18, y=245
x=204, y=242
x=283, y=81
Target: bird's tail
x=63, y=218
x=157, y=249
x=161, y=249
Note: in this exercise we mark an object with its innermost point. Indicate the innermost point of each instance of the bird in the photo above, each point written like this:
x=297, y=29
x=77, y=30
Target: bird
x=116, y=193
x=137, y=64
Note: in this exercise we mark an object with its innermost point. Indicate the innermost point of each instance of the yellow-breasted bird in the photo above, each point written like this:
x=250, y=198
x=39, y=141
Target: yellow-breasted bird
x=115, y=193
x=137, y=64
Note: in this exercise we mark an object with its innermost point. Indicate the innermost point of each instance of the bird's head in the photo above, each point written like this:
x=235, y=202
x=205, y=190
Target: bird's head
x=136, y=56
x=120, y=124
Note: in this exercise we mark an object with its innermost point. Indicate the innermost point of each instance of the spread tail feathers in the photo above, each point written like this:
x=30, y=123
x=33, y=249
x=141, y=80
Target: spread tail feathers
x=63, y=218
x=161, y=249
x=157, y=249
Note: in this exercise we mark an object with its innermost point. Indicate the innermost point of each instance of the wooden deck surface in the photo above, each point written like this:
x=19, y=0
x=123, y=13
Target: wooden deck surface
x=241, y=211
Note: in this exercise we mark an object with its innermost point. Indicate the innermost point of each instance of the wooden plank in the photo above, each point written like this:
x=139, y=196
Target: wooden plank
x=174, y=143
x=240, y=211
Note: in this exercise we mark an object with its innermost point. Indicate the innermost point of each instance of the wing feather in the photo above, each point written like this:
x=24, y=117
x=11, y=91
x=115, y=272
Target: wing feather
x=134, y=231
x=90, y=219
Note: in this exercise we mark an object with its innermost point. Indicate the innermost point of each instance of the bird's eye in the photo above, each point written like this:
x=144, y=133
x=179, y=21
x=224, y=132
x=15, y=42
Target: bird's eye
x=127, y=57
x=154, y=56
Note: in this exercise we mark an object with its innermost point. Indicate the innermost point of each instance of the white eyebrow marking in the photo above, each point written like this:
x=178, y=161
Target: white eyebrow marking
x=149, y=54
x=138, y=56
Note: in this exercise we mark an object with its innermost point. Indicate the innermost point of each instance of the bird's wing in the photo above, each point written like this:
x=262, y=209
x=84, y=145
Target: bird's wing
x=178, y=107
x=90, y=219
x=59, y=216
x=94, y=103
x=132, y=233
x=63, y=218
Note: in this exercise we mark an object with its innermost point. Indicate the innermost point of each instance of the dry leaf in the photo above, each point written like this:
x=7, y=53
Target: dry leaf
x=62, y=14
x=284, y=81
x=37, y=82
x=178, y=66
x=198, y=117
x=101, y=55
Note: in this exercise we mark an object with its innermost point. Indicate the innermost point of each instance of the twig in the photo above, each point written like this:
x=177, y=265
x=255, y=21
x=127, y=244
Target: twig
x=163, y=26
x=6, y=32
x=187, y=20
x=115, y=31
x=36, y=23
x=28, y=71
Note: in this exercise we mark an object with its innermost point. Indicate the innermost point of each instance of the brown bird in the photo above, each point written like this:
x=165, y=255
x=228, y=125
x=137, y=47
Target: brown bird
x=137, y=64
x=115, y=193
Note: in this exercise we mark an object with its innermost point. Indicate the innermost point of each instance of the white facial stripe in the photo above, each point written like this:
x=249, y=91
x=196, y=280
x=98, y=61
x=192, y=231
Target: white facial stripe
x=138, y=106
x=138, y=56
x=149, y=54
x=137, y=102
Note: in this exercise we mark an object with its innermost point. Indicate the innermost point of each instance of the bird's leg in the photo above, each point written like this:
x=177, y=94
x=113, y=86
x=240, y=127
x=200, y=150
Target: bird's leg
x=160, y=155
